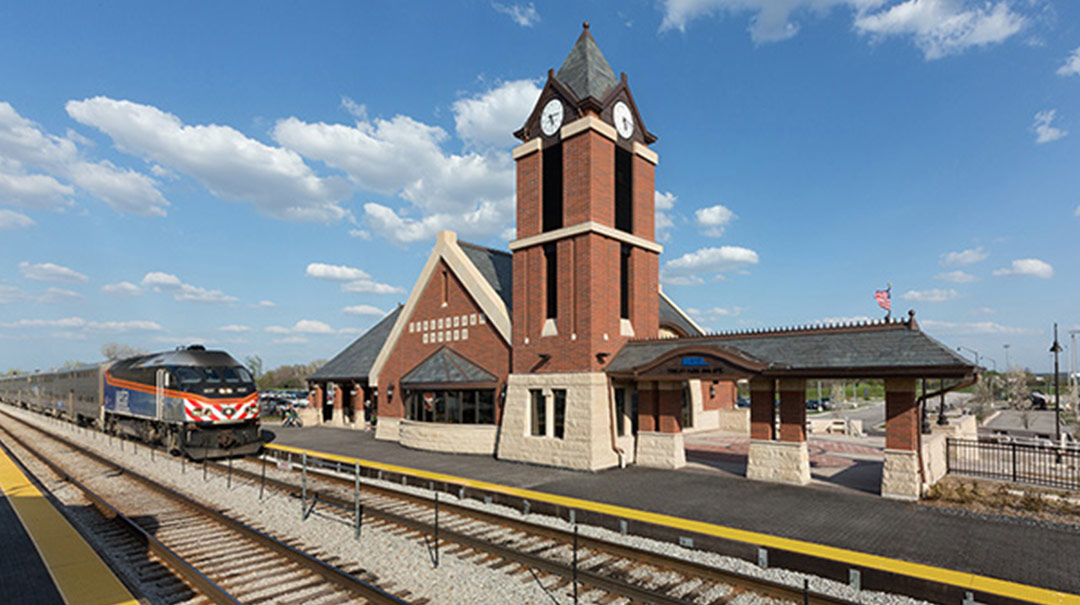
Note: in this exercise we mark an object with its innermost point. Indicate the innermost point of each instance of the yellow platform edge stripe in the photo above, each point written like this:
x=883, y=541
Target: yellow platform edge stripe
x=941, y=575
x=79, y=574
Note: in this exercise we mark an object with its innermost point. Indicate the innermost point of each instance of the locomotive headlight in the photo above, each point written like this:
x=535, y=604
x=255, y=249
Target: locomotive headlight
x=225, y=391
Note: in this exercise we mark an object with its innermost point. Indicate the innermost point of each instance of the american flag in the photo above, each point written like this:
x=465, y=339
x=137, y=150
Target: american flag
x=883, y=299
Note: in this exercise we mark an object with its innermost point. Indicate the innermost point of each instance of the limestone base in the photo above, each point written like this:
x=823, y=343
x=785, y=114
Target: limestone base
x=660, y=450
x=586, y=441
x=310, y=416
x=388, y=429
x=734, y=421
x=900, y=475
x=779, y=462
x=453, y=438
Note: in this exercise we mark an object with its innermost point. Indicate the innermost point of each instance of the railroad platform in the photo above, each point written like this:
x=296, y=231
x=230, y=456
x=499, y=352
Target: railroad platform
x=44, y=559
x=819, y=517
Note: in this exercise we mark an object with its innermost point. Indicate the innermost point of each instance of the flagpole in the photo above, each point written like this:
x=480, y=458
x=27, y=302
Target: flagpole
x=888, y=312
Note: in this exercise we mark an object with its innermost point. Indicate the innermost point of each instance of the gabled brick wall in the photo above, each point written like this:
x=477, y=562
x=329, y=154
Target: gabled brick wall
x=484, y=346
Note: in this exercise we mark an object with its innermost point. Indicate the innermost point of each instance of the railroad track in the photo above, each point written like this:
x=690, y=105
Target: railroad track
x=220, y=559
x=622, y=572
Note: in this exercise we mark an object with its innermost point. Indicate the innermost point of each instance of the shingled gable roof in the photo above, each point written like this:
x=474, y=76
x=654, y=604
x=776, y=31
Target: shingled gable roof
x=496, y=266
x=447, y=366
x=671, y=314
x=585, y=70
x=872, y=349
x=354, y=363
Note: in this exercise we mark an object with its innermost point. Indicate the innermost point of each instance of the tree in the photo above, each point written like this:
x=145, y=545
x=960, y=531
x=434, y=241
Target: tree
x=1016, y=387
x=114, y=350
x=254, y=364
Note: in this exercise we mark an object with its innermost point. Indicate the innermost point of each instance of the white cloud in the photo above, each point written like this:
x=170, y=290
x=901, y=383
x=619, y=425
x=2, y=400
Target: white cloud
x=9, y=294
x=964, y=257
x=1027, y=266
x=523, y=15
x=53, y=295
x=266, y=304
x=944, y=27
x=1071, y=67
x=1077, y=211
x=304, y=326
x=171, y=284
x=228, y=163
x=50, y=272
x=490, y=117
x=290, y=340
x=11, y=220
x=983, y=311
x=357, y=280
x=978, y=327
x=958, y=277
x=235, y=328
x=471, y=193
x=335, y=272
x=689, y=268
x=364, y=310
x=82, y=324
x=715, y=313
x=124, y=288
x=931, y=296
x=664, y=203
x=357, y=110
x=1044, y=131
x=937, y=27
x=714, y=219
x=25, y=145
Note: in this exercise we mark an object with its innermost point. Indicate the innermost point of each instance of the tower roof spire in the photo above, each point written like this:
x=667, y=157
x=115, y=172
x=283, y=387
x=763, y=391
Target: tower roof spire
x=585, y=70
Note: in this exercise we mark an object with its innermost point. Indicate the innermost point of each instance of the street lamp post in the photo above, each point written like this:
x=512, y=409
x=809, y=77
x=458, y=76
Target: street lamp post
x=1007, y=366
x=1055, y=349
x=973, y=352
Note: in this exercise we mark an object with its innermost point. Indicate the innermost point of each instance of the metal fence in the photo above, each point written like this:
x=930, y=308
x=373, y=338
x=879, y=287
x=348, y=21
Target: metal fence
x=1044, y=465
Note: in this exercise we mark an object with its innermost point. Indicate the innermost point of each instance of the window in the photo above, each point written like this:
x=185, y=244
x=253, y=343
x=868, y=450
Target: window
x=559, y=412
x=551, y=264
x=464, y=406
x=620, y=412
x=624, y=282
x=445, y=288
x=539, y=413
x=552, y=188
x=624, y=190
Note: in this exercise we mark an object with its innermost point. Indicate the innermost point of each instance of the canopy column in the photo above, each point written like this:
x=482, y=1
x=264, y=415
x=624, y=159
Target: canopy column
x=900, y=473
x=785, y=460
x=660, y=437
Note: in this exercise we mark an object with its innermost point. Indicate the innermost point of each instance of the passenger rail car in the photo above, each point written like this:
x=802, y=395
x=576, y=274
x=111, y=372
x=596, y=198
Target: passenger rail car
x=202, y=403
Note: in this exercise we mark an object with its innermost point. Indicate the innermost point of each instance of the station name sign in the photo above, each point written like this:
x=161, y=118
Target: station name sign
x=692, y=364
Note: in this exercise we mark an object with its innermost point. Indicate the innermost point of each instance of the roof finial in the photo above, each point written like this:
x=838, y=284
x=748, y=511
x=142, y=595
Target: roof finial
x=585, y=25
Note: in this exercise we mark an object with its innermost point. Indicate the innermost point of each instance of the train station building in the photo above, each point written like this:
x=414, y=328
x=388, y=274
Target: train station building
x=564, y=350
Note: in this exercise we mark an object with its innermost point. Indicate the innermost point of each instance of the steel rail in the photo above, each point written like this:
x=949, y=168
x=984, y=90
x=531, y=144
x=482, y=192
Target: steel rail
x=682, y=566
x=329, y=572
x=188, y=573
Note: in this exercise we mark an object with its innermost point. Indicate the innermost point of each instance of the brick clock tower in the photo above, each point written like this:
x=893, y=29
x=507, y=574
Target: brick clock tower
x=585, y=261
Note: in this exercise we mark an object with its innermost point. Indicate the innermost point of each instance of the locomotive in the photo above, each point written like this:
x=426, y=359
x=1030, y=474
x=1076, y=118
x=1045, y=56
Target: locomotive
x=193, y=401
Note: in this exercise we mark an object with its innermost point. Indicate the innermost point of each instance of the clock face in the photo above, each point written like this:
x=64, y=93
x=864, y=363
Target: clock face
x=624, y=120
x=551, y=117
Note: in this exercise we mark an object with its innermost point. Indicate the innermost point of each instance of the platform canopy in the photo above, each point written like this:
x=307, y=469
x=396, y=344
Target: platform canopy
x=878, y=349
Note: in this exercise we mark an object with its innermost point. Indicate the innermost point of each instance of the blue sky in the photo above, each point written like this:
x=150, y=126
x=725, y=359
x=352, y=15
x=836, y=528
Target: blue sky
x=268, y=177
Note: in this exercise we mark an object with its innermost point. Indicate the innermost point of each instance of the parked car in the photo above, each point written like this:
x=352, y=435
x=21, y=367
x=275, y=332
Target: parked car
x=815, y=405
x=742, y=402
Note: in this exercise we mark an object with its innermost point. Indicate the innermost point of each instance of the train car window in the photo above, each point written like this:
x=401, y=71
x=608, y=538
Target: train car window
x=187, y=376
x=245, y=376
x=231, y=375
x=212, y=375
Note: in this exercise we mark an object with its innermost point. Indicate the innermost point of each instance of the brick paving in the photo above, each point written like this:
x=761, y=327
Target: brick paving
x=1013, y=551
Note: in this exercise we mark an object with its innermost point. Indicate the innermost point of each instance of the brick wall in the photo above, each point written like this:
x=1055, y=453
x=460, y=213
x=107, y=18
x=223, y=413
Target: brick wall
x=718, y=395
x=792, y=409
x=762, y=409
x=484, y=346
x=528, y=194
x=644, y=198
x=901, y=414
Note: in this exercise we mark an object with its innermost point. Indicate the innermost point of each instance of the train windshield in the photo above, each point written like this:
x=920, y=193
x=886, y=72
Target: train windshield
x=214, y=381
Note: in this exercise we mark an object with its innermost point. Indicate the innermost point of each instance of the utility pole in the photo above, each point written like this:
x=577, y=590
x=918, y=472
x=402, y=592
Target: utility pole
x=1007, y=366
x=1074, y=357
x=1055, y=349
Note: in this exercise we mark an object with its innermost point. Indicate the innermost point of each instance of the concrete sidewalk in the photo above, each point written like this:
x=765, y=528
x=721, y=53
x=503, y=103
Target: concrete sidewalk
x=1019, y=552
